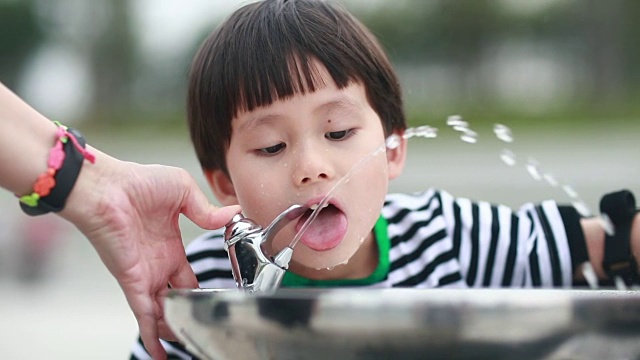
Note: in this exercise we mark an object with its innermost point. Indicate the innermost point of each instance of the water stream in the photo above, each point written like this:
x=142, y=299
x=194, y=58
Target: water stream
x=508, y=156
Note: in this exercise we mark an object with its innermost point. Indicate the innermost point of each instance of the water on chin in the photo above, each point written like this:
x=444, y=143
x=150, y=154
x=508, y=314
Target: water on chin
x=344, y=262
x=330, y=259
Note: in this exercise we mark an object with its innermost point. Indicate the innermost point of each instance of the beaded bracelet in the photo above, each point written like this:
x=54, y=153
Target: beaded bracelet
x=52, y=187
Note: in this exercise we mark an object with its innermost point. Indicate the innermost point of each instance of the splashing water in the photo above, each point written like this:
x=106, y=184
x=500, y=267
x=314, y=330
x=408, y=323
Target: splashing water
x=502, y=133
x=532, y=168
x=391, y=142
x=582, y=208
x=456, y=120
x=589, y=275
x=424, y=131
x=337, y=185
x=551, y=180
x=569, y=191
x=505, y=134
x=469, y=136
x=607, y=225
x=508, y=157
x=458, y=124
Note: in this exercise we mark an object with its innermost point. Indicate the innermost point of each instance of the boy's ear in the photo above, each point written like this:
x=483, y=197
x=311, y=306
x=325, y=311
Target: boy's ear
x=222, y=187
x=397, y=157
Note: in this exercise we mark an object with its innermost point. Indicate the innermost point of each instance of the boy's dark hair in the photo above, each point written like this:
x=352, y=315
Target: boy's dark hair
x=265, y=51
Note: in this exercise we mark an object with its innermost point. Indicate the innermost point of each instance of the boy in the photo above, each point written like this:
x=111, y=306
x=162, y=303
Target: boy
x=285, y=97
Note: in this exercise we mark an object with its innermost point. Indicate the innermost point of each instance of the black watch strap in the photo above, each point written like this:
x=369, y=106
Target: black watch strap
x=619, y=261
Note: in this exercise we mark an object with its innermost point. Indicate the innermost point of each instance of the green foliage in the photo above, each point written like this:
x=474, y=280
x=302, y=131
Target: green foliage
x=19, y=37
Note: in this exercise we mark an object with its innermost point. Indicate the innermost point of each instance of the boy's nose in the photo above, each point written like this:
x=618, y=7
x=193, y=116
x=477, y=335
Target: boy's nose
x=311, y=168
x=312, y=178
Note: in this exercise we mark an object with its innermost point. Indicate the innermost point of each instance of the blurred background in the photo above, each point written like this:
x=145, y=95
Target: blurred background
x=561, y=74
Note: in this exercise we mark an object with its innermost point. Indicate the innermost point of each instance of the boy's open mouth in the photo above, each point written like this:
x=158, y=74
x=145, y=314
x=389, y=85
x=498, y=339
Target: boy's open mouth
x=326, y=231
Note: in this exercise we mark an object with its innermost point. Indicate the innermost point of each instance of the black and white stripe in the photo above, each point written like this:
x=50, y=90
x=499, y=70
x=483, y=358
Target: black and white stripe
x=437, y=240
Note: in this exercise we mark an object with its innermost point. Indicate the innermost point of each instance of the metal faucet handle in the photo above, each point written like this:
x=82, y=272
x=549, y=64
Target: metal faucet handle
x=238, y=228
x=290, y=214
x=252, y=269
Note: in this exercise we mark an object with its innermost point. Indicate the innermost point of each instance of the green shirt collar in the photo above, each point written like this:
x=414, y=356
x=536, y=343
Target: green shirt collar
x=382, y=239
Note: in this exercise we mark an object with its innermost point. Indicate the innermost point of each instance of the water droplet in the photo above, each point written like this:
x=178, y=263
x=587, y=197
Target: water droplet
x=607, y=224
x=380, y=149
x=590, y=275
x=569, y=191
x=508, y=157
x=456, y=120
x=469, y=136
x=261, y=185
x=620, y=285
x=331, y=268
x=582, y=208
x=551, y=180
x=532, y=168
x=409, y=133
x=503, y=133
x=393, y=141
x=426, y=131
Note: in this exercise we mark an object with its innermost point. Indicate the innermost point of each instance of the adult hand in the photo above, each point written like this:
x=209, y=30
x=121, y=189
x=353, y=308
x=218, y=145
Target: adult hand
x=130, y=214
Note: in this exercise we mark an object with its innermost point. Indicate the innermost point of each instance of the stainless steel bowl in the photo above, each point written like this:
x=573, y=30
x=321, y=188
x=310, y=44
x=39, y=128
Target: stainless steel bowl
x=407, y=324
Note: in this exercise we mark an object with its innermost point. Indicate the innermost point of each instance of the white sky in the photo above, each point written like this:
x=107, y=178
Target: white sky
x=167, y=27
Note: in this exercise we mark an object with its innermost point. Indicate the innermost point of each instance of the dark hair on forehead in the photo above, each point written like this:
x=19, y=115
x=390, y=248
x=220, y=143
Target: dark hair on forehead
x=267, y=51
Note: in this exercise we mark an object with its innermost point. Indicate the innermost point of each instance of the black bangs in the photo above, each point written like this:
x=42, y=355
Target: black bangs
x=277, y=78
x=273, y=53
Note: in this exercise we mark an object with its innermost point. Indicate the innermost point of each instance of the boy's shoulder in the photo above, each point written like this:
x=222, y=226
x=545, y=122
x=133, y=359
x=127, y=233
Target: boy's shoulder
x=412, y=202
x=404, y=213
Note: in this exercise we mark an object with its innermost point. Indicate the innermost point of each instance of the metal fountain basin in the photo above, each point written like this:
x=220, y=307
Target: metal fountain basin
x=407, y=323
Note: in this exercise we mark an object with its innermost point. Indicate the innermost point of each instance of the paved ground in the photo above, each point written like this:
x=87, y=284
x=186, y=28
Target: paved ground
x=75, y=308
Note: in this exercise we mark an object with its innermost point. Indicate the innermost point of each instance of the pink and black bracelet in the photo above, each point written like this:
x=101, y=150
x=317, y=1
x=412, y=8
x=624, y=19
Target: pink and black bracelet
x=51, y=190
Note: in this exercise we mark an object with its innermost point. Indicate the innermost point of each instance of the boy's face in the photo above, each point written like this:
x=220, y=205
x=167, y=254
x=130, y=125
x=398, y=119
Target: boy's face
x=293, y=152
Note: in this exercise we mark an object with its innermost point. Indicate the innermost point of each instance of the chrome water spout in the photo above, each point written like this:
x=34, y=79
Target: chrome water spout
x=253, y=270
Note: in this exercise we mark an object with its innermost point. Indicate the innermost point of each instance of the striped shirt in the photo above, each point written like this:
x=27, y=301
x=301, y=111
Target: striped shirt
x=432, y=239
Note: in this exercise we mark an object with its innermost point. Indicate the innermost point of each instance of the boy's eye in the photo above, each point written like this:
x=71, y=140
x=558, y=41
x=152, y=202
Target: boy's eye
x=271, y=150
x=338, y=135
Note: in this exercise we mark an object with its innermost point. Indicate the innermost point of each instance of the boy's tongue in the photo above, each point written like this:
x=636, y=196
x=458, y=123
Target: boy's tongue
x=326, y=231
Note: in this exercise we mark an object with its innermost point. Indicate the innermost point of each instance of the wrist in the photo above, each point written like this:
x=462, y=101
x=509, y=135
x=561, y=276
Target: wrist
x=21, y=168
x=52, y=187
x=595, y=239
x=89, y=191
